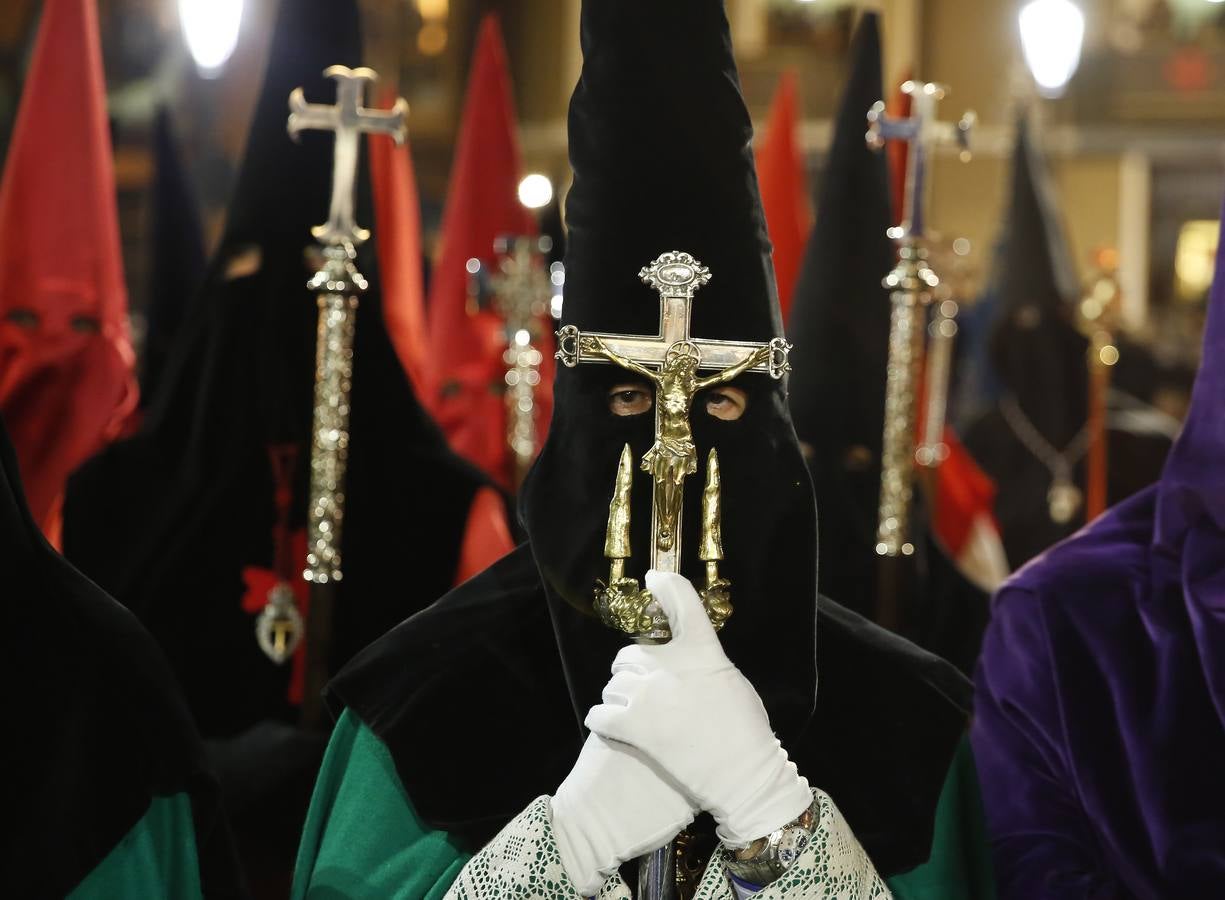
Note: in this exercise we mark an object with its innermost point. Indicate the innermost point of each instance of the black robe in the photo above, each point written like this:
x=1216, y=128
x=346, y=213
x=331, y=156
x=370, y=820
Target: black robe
x=170, y=520
x=98, y=727
x=483, y=673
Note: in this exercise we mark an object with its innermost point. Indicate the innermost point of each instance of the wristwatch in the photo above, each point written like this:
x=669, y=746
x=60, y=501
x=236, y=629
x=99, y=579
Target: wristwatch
x=767, y=858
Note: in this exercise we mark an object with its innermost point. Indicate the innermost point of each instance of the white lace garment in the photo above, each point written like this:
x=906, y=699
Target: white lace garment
x=522, y=861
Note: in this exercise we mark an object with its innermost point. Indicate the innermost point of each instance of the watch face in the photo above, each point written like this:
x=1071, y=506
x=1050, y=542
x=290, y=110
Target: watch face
x=792, y=844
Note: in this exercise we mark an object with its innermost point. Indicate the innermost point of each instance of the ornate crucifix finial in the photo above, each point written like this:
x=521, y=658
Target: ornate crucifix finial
x=923, y=132
x=671, y=361
x=348, y=119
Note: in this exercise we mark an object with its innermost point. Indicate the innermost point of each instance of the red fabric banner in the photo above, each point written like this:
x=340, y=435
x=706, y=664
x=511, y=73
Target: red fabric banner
x=784, y=189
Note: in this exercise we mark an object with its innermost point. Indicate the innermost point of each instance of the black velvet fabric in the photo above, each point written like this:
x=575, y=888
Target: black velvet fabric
x=500, y=673
x=176, y=253
x=1038, y=356
x=168, y=520
x=96, y=725
x=840, y=326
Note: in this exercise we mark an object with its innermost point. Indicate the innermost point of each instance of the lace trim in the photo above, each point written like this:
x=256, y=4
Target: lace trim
x=522, y=861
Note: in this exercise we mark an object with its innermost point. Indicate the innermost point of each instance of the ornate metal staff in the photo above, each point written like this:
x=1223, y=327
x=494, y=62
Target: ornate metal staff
x=521, y=290
x=911, y=284
x=671, y=361
x=338, y=284
x=941, y=334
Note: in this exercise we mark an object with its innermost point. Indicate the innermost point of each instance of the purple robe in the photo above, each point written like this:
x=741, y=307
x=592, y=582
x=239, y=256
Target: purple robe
x=1099, y=729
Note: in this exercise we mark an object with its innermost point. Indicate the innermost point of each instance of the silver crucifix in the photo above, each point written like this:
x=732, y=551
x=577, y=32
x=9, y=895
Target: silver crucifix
x=911, y=284
x=348, y=119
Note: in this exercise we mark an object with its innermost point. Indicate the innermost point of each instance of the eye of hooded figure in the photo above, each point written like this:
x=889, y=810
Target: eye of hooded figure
x=633, y=398
x=26, y=319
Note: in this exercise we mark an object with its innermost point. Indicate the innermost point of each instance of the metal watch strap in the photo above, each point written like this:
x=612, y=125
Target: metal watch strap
x=768, y=857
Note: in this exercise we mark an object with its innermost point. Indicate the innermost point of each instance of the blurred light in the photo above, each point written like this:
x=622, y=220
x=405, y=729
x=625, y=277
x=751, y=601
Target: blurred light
x=961, y=247
x=1195, y=259
x=210, y=28
x=432, y=9
x=535, y=191
x=1051, y=35
x=473, y=265
x=432, y=38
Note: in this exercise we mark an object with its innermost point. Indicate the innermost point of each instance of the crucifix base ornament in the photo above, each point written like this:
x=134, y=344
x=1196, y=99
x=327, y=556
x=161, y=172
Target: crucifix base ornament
x=671, y=361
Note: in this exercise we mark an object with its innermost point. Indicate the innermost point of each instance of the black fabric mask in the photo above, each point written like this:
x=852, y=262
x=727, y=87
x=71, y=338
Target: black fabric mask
x=768, y=534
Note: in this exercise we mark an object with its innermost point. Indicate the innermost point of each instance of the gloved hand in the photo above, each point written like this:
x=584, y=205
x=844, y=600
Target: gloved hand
x=614, y=805
x=688, y=708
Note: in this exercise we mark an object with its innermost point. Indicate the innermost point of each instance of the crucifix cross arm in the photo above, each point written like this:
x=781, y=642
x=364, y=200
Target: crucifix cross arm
x=923, y=132
x=675, y=276
x=348, y=119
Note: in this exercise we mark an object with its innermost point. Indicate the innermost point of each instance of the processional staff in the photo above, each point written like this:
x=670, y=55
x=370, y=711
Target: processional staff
x=520, y=290
x=338, y=285
x=941, y=335
x=911, y=285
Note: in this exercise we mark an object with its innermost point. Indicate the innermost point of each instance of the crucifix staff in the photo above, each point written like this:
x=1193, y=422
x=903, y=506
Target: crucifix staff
x=911, y=284
x=338, y=285
x=671, y=361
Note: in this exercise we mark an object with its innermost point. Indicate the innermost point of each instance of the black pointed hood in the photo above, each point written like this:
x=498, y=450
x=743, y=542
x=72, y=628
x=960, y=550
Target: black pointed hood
x=840, y=315
x=1037, y=354
x=176, y=253
x=660, y=149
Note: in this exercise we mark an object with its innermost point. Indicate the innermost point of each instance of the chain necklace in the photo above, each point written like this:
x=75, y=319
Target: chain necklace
x=1064, y=498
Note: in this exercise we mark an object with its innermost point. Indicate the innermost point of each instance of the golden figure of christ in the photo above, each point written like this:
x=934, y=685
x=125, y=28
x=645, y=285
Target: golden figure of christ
x=672, y=361
x=674, y=456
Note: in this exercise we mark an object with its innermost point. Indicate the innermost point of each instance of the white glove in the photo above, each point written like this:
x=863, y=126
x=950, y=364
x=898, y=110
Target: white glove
x=614, y=805
x=690, y=710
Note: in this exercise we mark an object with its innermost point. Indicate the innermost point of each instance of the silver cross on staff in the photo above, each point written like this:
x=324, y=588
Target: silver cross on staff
x=663, y=358
x=911, y=284
x=923, y=132
x=522, y=289
x=348, y=119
